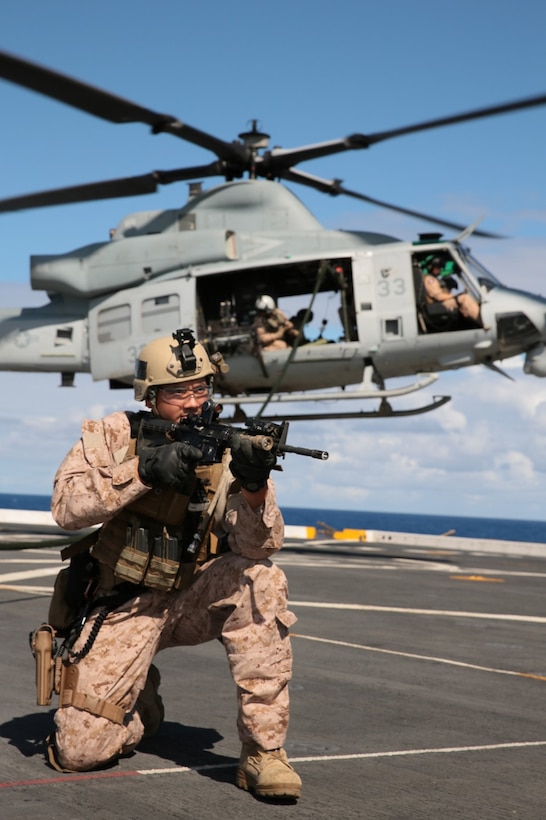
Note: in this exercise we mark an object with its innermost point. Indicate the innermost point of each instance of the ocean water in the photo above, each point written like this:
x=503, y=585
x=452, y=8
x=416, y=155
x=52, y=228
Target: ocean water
x=503, y=529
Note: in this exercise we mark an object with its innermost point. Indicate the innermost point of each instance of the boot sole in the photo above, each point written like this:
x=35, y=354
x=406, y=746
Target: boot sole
x=242, y=782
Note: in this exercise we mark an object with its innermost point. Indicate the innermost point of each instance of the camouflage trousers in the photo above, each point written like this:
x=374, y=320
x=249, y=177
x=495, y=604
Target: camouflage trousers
x=240, y=600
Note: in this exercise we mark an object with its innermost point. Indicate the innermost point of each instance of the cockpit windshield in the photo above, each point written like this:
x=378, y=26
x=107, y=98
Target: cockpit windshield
x=486, y=279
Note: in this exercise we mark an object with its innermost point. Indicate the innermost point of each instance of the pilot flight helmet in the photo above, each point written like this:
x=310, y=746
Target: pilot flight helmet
x=171, y=360
x=448, y=269
x=266, y=303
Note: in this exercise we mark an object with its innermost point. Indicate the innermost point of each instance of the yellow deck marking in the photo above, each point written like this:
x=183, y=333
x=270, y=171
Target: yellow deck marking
x=477, y=578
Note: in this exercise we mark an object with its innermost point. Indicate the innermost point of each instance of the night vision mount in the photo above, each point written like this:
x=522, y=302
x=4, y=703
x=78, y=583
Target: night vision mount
x=186, y=343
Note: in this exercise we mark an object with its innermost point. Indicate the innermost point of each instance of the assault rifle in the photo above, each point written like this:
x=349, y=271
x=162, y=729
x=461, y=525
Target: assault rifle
x=212, y=437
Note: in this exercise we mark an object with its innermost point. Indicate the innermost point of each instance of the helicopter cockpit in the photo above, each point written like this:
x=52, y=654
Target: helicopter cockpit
x=447, y=297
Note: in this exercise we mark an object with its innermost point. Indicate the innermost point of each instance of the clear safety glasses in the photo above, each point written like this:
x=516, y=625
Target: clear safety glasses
x=181, y=394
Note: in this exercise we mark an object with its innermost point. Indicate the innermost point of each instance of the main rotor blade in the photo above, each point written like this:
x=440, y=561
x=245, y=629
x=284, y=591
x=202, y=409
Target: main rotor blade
x=105, y=105
x=279, y=159
x=334, y=187
x=479, y=113
x=108, y=189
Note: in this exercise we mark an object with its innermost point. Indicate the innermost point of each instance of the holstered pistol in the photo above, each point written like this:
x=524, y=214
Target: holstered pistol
x=43, y=644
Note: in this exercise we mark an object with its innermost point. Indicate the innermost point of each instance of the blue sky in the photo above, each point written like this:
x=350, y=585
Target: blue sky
x=308, y=72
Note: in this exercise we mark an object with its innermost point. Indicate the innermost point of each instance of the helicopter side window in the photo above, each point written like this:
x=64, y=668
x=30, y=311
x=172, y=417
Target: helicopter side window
x=485, y=278
x=161, y=313
x=300, y=322
x=114, y=323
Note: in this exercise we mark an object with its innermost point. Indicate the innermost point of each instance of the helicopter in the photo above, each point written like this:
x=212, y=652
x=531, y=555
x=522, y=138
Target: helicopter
x=206, y=264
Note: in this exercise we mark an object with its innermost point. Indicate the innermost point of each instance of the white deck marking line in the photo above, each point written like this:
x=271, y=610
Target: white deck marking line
x=107, y=775
x=30, y=561
x=361, y=559
x=326, y=563
x=413, y=656
x=409, y=564
x=29, y=590
x=360, y=756
x=531, y=619
x=402, y=752
x=28, y=573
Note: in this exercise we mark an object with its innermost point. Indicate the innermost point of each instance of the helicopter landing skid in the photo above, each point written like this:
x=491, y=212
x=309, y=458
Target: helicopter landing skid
x=364, y=392
x=384, y=411
x=368, y=389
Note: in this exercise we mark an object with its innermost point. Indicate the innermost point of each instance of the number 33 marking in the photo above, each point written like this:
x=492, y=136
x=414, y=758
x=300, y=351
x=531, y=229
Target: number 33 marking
x=394, y=287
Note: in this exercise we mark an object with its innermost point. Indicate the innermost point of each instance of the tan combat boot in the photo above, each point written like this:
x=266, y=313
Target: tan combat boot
x=149, y=704
x=267, y=774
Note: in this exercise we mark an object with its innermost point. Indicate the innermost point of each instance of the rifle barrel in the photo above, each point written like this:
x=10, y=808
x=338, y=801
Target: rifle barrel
x=322, y=455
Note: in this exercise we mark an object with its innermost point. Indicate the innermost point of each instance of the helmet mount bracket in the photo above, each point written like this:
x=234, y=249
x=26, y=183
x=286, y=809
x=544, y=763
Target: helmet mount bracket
x=186, y=343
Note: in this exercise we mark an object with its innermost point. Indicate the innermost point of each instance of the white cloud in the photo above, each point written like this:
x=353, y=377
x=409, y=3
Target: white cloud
x=540, y=416
x=452, y=420
x=510, y=467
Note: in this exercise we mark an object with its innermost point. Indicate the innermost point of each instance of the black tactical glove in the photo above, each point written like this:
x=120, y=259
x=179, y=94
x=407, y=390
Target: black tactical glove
x=171, y=465
x=250, y=465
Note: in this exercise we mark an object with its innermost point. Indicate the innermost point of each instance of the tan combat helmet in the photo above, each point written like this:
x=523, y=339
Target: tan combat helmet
x=172, y=360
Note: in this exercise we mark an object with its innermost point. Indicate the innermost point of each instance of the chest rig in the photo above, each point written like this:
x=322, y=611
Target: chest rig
x=161, y=539
x=273, y=321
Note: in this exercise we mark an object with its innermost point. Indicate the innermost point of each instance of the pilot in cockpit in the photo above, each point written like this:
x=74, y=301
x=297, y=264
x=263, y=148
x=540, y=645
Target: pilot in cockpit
x=439, y=282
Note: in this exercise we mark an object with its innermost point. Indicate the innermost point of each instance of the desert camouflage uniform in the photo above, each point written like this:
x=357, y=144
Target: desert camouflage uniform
x=240, y=596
